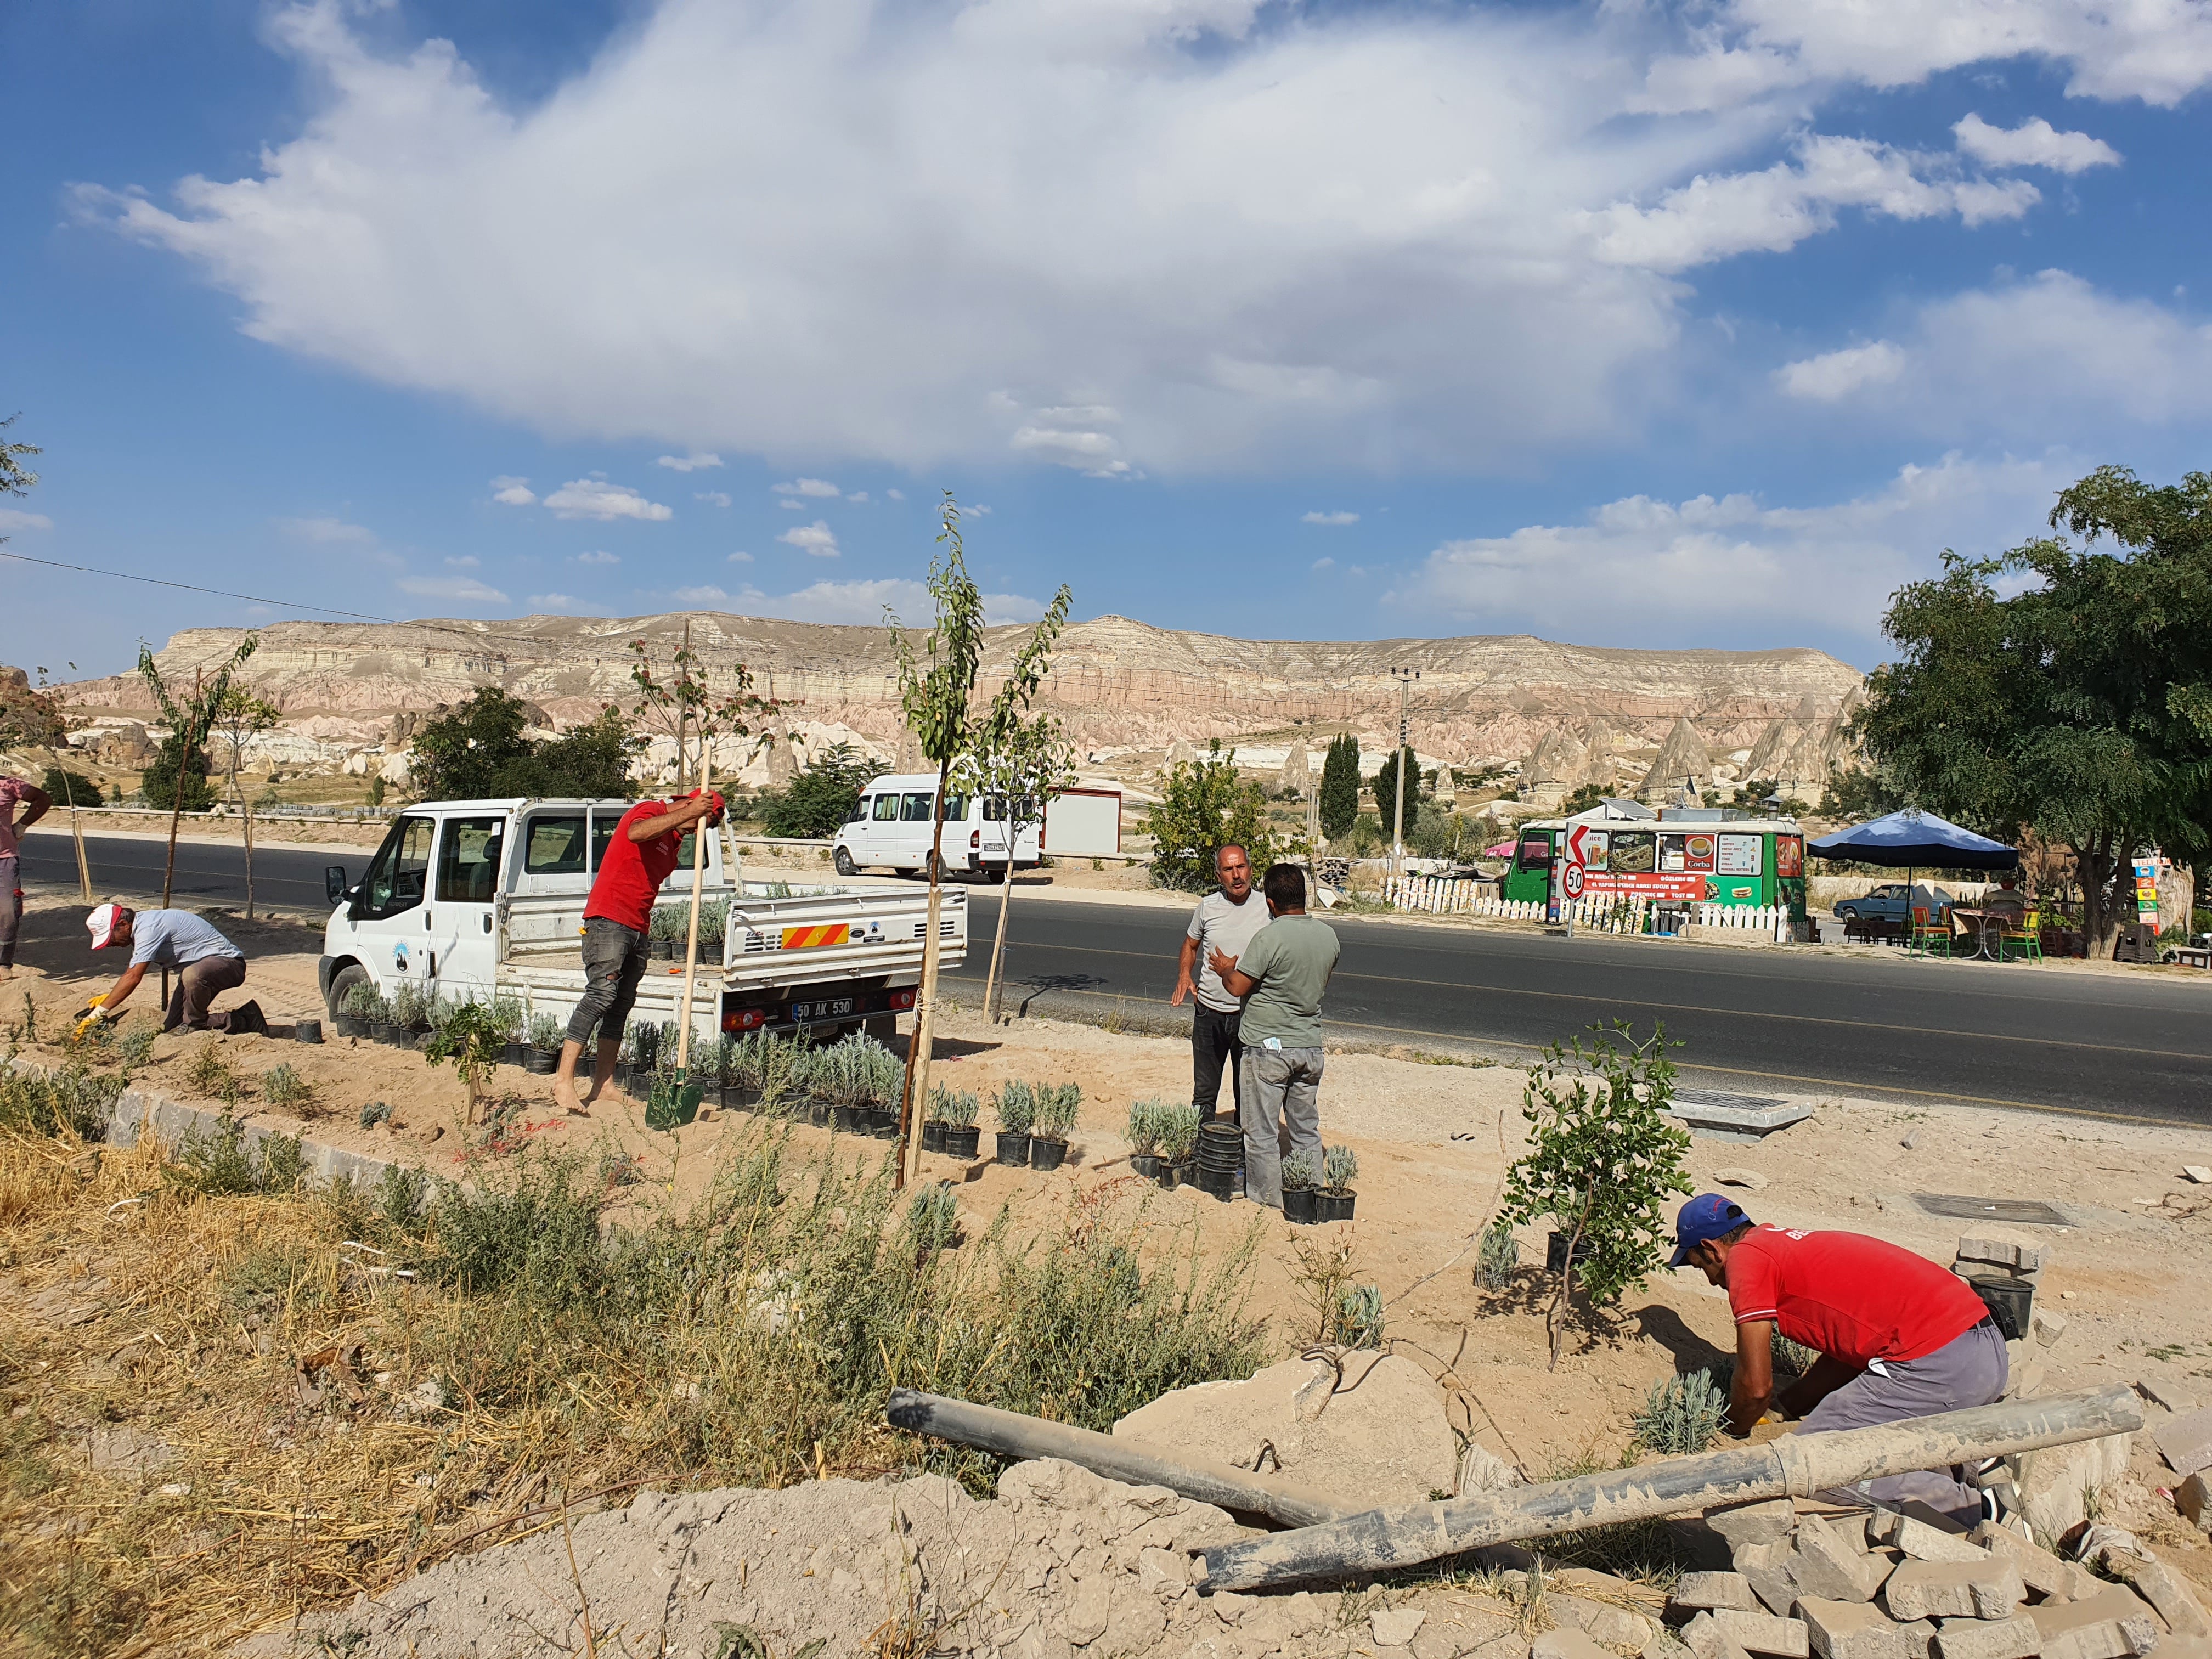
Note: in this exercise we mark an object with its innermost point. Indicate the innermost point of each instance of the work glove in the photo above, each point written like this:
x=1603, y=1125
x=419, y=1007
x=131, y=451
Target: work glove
x=87, y=1017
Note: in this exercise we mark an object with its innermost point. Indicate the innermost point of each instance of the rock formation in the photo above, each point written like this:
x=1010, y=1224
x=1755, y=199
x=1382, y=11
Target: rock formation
x=1682, y=757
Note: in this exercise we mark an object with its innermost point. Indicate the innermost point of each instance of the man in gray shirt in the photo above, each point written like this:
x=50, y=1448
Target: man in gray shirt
x=208, y=963
x=1280, y=976
x=1222, y=923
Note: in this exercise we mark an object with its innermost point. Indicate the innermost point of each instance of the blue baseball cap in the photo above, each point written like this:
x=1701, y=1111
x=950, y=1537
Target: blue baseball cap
x=1707, y=1216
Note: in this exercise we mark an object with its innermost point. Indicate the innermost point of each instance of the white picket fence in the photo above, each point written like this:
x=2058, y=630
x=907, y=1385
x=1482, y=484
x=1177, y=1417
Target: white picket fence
x=1597, y=913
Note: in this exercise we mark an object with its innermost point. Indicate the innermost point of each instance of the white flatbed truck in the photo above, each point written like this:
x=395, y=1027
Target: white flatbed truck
x=476, y=898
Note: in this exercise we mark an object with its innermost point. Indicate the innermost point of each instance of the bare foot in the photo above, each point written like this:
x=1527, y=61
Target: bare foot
x=564, y=1097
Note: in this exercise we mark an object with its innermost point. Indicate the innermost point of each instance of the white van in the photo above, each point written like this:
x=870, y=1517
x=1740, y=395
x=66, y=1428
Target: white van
x=891, y=827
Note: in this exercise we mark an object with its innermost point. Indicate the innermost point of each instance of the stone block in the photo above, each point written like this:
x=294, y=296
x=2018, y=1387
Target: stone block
x=2013, y=1254
x=1394, y=1628
x=1714, y=1590
x=2194, y=1500
x=1663, y=1644
x=2113, y=1624
x=1735, y=1176
x=2039, y=1569
x=2016, y=1638
x=1989, y=1588
x=1566, y=1643
x=2185, y=1441
x=1770, y=1552
x=1775, y=1588
x=1600, y=1622
x=1925, y=1542
x=1764, y=1632
x=1828, y=1566
x=1702, y=1636
x=2047, y=1324
x=1753, y=1523
x=2050, y=1481
x=1847, y=1629
x=1917, y=1639
x=2166, y=1591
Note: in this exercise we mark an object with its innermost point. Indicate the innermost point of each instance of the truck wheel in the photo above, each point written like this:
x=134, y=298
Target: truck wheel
x=843, y=860
x=342, y=981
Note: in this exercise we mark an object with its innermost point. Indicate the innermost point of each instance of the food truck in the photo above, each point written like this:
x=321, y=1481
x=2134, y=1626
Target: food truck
x=1686, y=856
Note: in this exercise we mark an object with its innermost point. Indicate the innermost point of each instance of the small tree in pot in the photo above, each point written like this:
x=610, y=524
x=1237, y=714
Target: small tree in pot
x=1301, y=1189
x=1056, y=1107
x=1340, y=1168
x=1178, y=1143
x=545, y=1037
x=1603, y=1160
x=1145, y=1136
x=469, y=1036
x=955, y=1111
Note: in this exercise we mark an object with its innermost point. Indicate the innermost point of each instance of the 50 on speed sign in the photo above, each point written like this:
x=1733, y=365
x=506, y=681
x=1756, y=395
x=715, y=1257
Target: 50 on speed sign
x=1571, y=881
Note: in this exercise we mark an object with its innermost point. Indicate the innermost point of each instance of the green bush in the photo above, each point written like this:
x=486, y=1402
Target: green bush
x=1206, y=805
x=1498, y=1259
x=820, y=798
x=1300, y=1173
x=1340, y=1168
x=1056, y=1108
x=1016, y=1107
x=365, y=1001
x=74, y=1100
x=1178, y=1131
x=222, y=1163
x=956, y=1109
x=1681, y=1414
x=546, y=1032
x=1358, y=1322
x=1144, y=1121
x=283, y=1086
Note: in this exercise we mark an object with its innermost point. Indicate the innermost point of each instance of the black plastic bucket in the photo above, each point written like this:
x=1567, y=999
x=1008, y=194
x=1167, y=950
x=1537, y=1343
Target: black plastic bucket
x=307, y=1031
x=960, y=1140
x=2010, y=1301
x=1301, y=1205
x=1013, y=1149
x=1046, y=1154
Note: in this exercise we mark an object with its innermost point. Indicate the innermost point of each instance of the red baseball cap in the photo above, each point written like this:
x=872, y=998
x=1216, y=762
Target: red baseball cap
x=102, y=922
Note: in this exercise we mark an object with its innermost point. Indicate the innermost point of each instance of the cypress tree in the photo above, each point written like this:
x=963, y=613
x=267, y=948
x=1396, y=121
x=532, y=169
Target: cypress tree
x=1340, y=784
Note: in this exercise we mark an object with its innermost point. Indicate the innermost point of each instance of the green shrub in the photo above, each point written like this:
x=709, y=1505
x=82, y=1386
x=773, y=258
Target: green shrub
x=1016, y=1107
x=74, y=1100
x=1206, y=805
x=1681, y=1414
x=510, y=1015
x=1300, y=1173
x=1178, y=1131
x=1498, y=1259
x=546, y=1032
x=1144, y=1120
x=281, y=1086
x=365, y=1001
x=1056, y=1108
x=411, y=1008
x=1340, y=1168
x=221, y=1163
x=933, y=1219
x=1357, y=1322
x=956, y=1109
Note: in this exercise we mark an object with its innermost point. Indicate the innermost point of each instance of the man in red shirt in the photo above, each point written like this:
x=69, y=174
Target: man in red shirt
x=1898, y=1335
x=616, y=917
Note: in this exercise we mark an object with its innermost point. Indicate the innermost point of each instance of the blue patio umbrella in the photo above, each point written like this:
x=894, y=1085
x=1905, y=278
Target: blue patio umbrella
x=1912, y=840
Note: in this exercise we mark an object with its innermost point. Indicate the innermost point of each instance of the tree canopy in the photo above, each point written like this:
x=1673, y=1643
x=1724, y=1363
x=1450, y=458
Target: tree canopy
x=476, y=750
x=1207, y=805
x=1340, y=784
x=822, y=797
x=2065, y=686
x=1386, y=789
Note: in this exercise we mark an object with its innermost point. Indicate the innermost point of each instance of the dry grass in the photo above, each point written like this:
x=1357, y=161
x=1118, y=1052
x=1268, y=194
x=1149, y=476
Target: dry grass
x=538, y=1355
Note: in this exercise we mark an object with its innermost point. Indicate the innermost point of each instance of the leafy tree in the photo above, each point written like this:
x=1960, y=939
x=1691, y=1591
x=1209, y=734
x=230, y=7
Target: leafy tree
x=1340, y=784
x=240, y=717
x=1207, y=805
x=472, y=1037
x=591, y=762
x=1585, y=797
x=1859, y=794
x=2080, y=707
x=820, y=798
x=460, y=755
x=936, y=690
x=15, y=479
x=1603, y=1159
x=160, y=785
x=1386, y=790
x=181, y=768
x=70, y=788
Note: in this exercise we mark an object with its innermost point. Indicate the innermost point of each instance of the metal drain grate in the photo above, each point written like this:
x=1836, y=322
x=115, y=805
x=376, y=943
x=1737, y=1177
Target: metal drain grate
x=1733, y=1103
x=2020, y=1211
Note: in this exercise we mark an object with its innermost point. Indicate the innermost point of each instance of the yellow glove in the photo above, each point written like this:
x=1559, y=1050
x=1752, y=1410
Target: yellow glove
x=91, y=1018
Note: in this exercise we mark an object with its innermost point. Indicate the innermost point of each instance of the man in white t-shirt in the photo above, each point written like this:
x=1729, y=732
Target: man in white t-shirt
x=1224, y=922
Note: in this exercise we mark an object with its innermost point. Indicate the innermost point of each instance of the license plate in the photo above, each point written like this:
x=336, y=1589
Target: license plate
x=829, y=1008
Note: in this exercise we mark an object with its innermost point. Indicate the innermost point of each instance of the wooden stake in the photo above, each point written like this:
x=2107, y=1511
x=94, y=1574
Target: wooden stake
x=699, y=834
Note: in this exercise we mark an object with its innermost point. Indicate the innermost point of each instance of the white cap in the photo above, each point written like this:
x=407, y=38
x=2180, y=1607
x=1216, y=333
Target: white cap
x=102, y=922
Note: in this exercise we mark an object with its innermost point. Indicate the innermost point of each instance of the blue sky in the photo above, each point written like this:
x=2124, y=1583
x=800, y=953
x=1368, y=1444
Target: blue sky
x=1629, y=324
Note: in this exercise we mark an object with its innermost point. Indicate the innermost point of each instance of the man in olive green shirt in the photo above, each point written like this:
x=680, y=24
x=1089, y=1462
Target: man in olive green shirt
x=1280, y=976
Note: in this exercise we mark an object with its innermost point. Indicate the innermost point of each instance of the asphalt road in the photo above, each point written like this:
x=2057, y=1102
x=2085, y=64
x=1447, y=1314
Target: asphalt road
x=2119, y=1045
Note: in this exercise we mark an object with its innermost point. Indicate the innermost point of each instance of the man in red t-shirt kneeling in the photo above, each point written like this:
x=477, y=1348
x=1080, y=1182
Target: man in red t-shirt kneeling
x=1897, y=1336
x=615, y=918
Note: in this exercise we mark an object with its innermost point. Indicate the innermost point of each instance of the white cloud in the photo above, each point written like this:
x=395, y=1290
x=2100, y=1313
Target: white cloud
x=551, y=601
x=327, y=533
x=511, y=491
x=2033, y=143
x=708, y=593
x=451, y=588
x=593, y=498
x=1714, y=218
x=14, y=518
x=712, y=497
x=858, y=497
x=464, y=562
x=980, y=510
x=895, y=495
x=1838, y=374
x=819, y=488
x=1639, y=566
x=741, y=558
x=1324, y=564
x=864, y=602
x=691, y=463
x=1335, y=520
x=597, y=555
x=793, y=505
x=817, y=540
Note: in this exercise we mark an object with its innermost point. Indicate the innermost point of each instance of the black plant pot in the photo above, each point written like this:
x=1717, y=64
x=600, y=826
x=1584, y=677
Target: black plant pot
x=960, y=1140
x=1301, y=1205
x=1013, y=1149
x=882, y=1121
x=351, y=1025
x=731, y=1096
x=662, y=949
x=1047, y=1154
x=542, y=1062
x=932, y=1137
x=514, y=1054
x=384, y=1031
x=1337, y=1206
x=1146, y=1165
x=1555, y=1253
x=845, y=1120
x=306, y=1030
x=1218, y=1183
x=1172, y=1175
x=817, y=1114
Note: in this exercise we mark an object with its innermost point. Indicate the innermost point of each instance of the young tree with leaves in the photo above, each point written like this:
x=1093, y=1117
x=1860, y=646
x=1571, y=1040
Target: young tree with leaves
x=1603, y=1159
x=190, y=718
x=1386, y=789
x=240, y=717
x=937, y=691
x=1207, y=805
x=1027, y=764
x=1340, y=786
x=2079, y=707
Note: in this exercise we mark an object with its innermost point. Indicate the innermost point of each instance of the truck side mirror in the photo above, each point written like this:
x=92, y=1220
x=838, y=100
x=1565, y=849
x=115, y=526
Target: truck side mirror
x=334, y=882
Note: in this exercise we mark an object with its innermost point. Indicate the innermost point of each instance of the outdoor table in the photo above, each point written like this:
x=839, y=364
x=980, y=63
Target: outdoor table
x=1984, y=925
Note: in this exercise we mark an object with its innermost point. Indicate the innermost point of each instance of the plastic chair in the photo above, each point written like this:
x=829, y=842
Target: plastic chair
x=1927, y=939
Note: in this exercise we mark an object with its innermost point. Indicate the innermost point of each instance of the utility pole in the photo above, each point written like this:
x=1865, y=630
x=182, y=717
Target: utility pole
x=1405, y=677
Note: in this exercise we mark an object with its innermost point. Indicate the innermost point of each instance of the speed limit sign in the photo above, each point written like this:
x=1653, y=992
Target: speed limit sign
x=1572, y=881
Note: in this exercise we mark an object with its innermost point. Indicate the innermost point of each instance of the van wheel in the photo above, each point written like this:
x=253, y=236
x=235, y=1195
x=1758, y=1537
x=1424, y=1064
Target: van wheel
x=342, y=981
x=843, y=860
x=994, y=874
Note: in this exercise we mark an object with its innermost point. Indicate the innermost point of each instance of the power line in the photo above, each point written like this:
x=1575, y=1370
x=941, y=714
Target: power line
x=220, y=592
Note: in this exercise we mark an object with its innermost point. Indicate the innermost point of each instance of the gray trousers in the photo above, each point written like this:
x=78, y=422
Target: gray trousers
x=614, y=962
x=1279, y=1100
x=1970, y=1370
x=196, y=987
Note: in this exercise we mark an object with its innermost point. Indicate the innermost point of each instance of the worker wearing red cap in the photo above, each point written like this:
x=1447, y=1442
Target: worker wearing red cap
x=642, y=856
x=206, y=963
x=1898, y=1335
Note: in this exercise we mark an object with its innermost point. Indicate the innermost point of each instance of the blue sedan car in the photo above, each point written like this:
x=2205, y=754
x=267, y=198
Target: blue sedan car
x=1887, y=903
